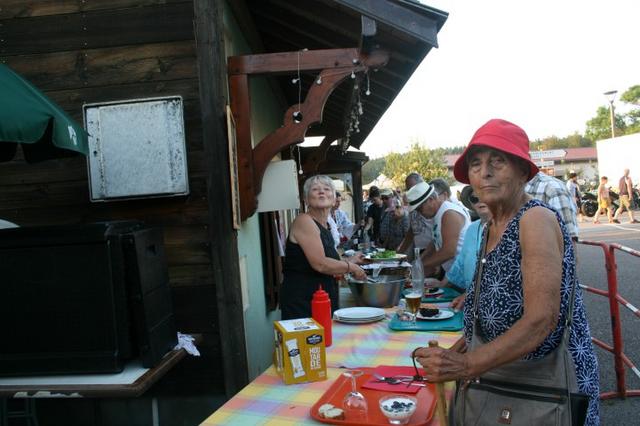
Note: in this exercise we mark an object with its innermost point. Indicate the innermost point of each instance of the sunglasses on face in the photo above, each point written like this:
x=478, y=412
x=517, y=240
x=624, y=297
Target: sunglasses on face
x=473, y=199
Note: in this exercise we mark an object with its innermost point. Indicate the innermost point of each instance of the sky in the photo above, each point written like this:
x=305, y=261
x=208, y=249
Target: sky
x=543, y=65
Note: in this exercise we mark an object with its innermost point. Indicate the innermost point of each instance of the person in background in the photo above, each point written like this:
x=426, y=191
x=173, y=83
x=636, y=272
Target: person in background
x=528, y=271
x=604, y=202
x=574, y=191
x=625, y=188
x=450, y=222
x=310, y=255
x=442, y=188
x=374, y=214
x=340, y=217
x=394, y=226
x=463, y=269
x=420, y=232
x=554, y=192
x=366, y=198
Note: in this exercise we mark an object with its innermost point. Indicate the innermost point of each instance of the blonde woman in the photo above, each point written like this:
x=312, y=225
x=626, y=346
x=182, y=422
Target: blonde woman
x=311, y=258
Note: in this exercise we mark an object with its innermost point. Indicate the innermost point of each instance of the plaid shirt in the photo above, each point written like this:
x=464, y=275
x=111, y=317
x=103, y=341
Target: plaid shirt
x=554, y=192
x=392, y=230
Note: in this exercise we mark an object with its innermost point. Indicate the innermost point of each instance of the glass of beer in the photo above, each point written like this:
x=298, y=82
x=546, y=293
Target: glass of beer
x=413, y=304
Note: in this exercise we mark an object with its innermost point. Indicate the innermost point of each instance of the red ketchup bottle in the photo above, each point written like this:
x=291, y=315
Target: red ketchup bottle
x=321, y=312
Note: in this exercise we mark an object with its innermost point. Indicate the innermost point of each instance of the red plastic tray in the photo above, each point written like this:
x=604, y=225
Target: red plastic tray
x=339, y=388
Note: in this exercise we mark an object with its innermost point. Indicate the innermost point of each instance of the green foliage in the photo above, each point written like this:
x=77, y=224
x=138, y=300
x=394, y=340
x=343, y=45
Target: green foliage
x=553, y=142
x=632, y=95
x=429, y=163
x=372, y=169
x=453, y=150
x=599, y=127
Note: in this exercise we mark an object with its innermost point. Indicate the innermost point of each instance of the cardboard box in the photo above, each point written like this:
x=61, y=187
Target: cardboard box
x=299, y=351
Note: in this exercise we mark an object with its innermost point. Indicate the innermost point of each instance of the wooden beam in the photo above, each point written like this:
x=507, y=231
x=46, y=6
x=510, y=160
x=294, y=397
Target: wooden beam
x=208, y=26
x=286, y=62
x=369, y=31
x=241, y=107
x=400, y=18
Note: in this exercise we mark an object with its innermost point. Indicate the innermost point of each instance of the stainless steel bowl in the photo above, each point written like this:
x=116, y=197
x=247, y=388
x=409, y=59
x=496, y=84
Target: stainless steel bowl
x=383, y=293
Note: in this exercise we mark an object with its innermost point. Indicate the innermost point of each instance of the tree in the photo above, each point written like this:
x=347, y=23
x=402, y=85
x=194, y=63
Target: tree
x=632, y=96
x=599, y=127
x=429, y=163
x=372, y=169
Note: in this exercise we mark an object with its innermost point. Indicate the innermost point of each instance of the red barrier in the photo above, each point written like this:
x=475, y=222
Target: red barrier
x=620, y=359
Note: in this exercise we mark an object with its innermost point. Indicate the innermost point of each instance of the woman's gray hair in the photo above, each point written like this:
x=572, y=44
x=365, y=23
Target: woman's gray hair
x=323, y=179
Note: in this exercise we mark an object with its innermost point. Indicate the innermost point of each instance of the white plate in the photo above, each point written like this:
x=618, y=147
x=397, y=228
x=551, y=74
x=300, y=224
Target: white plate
x=358, y=321
x=443, y=314
x=358, y=313
x=435, y=293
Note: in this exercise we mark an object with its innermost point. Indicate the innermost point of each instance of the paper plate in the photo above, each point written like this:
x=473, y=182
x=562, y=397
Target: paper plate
x=443, y=314
x=359, y=321
x=358, y=313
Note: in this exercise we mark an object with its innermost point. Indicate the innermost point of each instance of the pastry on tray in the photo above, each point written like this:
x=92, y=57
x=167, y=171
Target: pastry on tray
x=329, y=411
x=428, y=310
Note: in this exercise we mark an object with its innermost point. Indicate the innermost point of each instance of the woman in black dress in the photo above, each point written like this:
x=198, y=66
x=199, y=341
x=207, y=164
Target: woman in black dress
x=310, y=257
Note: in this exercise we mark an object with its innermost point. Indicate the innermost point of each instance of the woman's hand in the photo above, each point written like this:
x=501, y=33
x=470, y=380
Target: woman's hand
x=358, y=259
x=442, y=365
x=458, y=303
x=357, y=271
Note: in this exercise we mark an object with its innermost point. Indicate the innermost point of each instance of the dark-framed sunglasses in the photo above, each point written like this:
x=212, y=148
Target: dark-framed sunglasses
x=473, y=199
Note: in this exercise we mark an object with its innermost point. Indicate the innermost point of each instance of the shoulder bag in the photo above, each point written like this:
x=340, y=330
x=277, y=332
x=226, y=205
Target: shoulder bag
x=523, y=392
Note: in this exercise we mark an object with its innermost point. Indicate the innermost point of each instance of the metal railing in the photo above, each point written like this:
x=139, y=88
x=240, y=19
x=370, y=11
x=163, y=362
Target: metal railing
x=615, y=300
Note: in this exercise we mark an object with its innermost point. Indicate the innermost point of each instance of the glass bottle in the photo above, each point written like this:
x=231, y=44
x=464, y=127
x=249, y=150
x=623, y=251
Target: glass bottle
x=414, y=296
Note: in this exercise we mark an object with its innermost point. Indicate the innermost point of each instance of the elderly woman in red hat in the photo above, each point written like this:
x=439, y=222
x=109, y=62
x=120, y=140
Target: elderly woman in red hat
x=516, y=310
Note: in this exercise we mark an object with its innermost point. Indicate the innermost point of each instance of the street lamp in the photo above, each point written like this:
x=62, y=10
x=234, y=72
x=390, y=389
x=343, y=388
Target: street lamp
x=611, y=95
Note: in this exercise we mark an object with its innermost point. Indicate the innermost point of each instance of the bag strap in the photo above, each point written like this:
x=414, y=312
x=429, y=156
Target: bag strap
x=479, y=268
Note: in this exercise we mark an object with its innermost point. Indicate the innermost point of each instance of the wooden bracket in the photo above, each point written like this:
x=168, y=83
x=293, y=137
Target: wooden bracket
x=335, y=65
x=312, y=163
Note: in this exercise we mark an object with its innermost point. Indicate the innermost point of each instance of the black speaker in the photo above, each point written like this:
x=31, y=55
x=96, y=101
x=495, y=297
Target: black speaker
x=82, y=299
x=148, y=284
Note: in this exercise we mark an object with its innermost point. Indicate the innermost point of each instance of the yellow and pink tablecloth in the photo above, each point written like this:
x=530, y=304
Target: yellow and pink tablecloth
x=268, y=401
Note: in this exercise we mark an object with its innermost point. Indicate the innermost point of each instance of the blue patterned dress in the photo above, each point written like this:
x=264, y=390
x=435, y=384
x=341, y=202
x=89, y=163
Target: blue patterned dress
x=501, y=302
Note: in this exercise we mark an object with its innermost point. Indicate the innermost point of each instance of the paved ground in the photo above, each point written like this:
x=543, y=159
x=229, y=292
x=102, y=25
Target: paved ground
x=592, y=273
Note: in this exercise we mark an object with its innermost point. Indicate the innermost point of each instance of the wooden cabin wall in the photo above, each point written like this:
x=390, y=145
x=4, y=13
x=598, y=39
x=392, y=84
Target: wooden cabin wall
x=106, y=50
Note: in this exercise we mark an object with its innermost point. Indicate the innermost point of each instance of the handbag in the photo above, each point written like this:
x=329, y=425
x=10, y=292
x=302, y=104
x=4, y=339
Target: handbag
x=523, y=392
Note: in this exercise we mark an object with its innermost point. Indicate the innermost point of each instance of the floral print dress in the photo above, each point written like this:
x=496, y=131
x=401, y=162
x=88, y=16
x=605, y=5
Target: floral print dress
x=501, y=304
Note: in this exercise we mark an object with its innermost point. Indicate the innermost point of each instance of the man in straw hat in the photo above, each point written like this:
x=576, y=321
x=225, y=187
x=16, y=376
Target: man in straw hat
x=450, y=220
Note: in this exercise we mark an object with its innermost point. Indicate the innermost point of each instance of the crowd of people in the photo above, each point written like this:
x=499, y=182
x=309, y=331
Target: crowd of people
x=520, y=223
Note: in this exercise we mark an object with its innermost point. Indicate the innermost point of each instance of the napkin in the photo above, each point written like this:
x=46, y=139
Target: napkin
x=390, y=371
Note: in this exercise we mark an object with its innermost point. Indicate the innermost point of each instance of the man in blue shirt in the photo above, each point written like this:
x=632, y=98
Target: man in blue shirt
x=463, y=269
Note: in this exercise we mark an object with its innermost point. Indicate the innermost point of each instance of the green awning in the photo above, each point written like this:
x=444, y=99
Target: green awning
x=29, y=117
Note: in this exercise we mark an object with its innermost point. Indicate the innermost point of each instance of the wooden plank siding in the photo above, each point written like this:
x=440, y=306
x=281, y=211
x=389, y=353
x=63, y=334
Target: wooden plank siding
x=105, y=50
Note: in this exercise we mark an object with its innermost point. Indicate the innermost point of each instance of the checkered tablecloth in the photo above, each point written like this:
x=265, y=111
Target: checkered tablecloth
x=268, y=401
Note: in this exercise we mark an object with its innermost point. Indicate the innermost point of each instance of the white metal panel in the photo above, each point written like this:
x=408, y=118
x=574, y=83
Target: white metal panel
x=136, y=149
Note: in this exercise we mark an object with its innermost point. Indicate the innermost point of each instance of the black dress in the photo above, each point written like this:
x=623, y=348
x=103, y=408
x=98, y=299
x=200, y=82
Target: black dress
x=301, y=280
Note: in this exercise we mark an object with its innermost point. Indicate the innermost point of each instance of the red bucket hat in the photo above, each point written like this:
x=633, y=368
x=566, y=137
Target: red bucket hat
x=502, y=136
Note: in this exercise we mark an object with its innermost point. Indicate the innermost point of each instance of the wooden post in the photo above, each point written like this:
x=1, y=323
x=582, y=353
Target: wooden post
x=441, y=400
